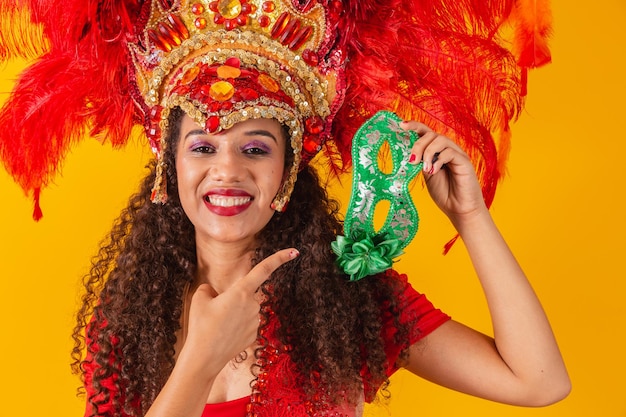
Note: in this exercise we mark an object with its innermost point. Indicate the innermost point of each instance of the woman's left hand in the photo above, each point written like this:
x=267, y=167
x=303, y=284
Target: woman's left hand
x=449, y=174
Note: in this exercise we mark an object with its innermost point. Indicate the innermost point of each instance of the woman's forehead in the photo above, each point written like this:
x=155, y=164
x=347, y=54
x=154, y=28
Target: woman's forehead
x=266, y=123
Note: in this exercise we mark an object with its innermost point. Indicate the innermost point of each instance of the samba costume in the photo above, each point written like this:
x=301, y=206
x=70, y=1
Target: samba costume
x=320, y=67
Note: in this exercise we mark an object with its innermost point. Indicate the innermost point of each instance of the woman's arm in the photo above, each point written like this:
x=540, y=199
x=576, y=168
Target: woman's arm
x=521, y=364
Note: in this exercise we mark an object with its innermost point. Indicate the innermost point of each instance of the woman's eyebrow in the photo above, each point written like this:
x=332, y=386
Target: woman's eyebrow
x=261, y=132
x=195, y=132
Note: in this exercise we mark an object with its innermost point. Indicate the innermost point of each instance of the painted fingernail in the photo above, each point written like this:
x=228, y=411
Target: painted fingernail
x=294, y=253
x=412, y=158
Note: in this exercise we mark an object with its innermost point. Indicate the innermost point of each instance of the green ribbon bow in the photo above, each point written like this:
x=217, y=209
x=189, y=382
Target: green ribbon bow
x=367, y=251
x=367, y=255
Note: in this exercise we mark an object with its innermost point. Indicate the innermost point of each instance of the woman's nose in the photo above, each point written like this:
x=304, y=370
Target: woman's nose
x=226, y=166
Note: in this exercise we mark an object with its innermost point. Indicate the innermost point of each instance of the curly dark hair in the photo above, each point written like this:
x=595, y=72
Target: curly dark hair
x=133, y=302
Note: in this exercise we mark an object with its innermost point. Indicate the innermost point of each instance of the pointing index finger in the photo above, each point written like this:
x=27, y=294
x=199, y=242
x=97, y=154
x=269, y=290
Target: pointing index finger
x=264, y=269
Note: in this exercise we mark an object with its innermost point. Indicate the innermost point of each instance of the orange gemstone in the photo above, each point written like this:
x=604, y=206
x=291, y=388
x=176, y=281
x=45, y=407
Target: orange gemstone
x=230, y=9
x=268, y=6
x=226, y=71
x=268, y=83
x=221, y=91
x=190, y=75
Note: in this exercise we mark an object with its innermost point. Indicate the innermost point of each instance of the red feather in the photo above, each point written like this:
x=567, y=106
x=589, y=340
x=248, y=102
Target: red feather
x=79, y=85
x=461, y=81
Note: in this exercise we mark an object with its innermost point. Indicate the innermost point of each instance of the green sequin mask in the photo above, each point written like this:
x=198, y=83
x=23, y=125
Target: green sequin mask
x=363, y=251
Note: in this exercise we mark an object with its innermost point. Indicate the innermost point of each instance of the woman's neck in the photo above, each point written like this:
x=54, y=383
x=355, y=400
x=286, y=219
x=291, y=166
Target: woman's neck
x=221, y=264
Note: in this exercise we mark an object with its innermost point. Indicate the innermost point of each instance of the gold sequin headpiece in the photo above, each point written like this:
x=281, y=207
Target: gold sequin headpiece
x=227, y=61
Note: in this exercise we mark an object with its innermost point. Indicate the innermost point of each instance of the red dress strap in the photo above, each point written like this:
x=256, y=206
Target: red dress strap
x=234, y=408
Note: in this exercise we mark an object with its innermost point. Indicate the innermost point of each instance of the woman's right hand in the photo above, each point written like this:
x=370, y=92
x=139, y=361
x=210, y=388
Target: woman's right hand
x=220, y=327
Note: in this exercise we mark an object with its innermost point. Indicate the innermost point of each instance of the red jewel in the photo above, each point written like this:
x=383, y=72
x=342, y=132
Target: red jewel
x=289, y=32
x=264, y=21
x=268, y=6
x=206, y=89
x=166, y=4
x=246, y=8
x=218, y=19
x=200, y=23
x=314, y=125
x=167, y=36
x=212, y=124
x=311, y=144
x=158, y=40
x=308, y=5
x=248, y=94
x=213, y=6
x=300, y=37
x=227, y=106
x=242, y=20
x=233, y=62
x=197, y=8
x=335, y=9
x=155, y=112
x=214, y=106
x=310, y=57
x=247, y=73
x=178, y=26
x=181, y=90
x=230, y=24
x=280, y=24
x=154, y=131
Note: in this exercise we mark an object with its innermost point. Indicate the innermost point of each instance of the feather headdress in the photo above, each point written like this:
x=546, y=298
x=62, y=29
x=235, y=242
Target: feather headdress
x=444, y=63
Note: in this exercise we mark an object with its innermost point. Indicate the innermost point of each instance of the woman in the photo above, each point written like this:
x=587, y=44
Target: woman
x=224, y=297
x=188, y=321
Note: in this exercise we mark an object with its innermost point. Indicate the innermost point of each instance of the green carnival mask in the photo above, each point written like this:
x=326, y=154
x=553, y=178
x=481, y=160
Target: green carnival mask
x=363, y=251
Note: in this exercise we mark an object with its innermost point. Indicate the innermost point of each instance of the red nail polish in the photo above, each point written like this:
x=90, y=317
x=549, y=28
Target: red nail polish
x=412, y=158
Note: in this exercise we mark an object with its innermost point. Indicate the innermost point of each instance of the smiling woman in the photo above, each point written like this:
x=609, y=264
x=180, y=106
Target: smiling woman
x=217, y=292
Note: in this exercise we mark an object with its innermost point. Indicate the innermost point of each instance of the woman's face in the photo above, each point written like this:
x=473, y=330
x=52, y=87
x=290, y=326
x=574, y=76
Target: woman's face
x=227, y=181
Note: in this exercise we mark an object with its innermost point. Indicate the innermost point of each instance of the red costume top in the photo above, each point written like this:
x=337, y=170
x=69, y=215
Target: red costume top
x=278, y=391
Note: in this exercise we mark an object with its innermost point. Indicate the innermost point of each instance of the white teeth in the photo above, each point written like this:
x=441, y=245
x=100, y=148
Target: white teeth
x=225, y=201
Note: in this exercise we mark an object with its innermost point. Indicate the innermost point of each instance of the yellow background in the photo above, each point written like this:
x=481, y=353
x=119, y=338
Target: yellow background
x=561, y=208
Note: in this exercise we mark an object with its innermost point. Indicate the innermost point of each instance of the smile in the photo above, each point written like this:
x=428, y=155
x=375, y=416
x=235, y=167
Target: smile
x=226, y=201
